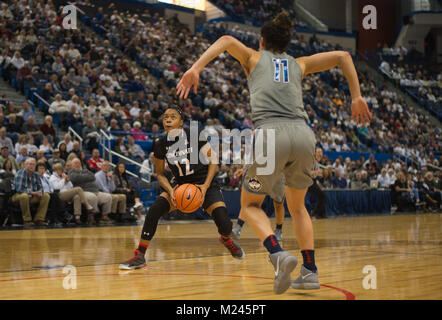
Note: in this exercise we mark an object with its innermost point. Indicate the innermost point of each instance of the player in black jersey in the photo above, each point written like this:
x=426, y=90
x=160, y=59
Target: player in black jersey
x=177, y=150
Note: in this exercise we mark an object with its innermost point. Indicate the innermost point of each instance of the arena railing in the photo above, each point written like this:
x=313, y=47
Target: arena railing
x=114, y=153
x=70, y=130
x=104, y=137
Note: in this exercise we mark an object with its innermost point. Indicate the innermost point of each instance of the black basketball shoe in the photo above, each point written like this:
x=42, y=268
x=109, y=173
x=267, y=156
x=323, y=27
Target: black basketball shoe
x=235, y=250
x=137, y=262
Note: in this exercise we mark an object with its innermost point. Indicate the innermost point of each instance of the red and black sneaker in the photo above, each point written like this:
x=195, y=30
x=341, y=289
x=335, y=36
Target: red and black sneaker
x=235, y=250
x=137, y=262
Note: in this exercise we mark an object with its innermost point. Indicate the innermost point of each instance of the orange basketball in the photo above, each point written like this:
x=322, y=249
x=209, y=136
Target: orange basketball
x=188, y=198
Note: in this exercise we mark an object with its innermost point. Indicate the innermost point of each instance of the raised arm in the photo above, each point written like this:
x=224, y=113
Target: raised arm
x=342, y=59
x=245, y=55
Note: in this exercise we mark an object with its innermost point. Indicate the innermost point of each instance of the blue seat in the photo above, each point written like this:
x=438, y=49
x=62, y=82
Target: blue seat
x=146, y=145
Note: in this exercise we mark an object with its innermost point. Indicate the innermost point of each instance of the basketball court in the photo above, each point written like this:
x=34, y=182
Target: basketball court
x=401, y=255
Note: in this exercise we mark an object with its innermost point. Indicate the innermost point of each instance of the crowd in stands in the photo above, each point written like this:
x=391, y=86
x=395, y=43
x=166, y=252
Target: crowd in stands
x=121, y=77
x=410, y=72
x=69, y=189
x=258, y=12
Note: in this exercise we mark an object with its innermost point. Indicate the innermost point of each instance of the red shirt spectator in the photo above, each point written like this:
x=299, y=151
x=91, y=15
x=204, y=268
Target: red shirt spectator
x=95, y=162
x=25, y=72
x=47, y=127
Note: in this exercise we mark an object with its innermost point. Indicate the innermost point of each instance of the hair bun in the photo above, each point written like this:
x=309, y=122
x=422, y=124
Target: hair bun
x=283, y=20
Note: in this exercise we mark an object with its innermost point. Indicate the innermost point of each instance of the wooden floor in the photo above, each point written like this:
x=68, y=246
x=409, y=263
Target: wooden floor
x=187, y=262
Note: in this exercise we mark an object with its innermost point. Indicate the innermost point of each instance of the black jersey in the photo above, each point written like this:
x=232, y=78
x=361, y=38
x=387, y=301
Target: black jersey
x=178, y=154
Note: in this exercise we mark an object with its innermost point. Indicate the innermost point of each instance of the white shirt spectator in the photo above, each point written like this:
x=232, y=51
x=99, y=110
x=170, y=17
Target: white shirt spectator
x=384, y=181
x=74, y=53
x=17, y=62
x=391, y=179
x=32, y=149
x=59, y=106
x=59, y=183
x=134, y=112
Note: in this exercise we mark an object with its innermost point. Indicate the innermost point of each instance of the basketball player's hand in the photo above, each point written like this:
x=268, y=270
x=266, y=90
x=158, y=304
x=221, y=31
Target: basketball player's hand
x=203, y=189
x=190, y=79
x=359, y=111
x=172, y=195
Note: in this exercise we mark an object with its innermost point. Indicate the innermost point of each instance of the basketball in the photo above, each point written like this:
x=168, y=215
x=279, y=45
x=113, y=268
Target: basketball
x=188, y=198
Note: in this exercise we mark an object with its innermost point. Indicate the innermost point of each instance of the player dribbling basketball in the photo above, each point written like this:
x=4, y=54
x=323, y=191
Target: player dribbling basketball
x=183, y=171
x=274, y=80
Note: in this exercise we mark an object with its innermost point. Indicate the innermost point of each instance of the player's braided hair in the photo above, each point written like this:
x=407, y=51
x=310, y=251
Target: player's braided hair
x=277, y=33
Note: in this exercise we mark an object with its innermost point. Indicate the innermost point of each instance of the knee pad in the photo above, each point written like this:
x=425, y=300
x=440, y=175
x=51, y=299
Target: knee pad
x=160, y=207
x=222, y=221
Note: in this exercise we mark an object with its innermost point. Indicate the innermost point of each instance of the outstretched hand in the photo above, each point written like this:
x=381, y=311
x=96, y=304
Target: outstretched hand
x=359, y=111
x=190, y=79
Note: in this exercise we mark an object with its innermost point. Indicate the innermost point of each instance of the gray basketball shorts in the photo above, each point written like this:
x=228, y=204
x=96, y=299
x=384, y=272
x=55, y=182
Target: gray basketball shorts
x=294, y=152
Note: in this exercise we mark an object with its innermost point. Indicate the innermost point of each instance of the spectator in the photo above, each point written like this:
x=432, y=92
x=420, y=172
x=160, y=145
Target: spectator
x=95, y=162
x=85, y=179
x=90, y=135
x=123, y=186
x=338, y=181
x=29, y=190
x=121, y=147
x=47, y=128
x=401, y=194
x=9, y=170
x=46, y=146
x=430, y=192
x=68, y=193
x=326, y=179
x=26, y=112
x=30, y=146
x=137, y=129
x=5, y=141
x=68, y=144
x=40, y=157
x=391, y=176
x=56, y=208
x=20, y=143
x=22, y=155
x=135, y=150
x=13, y=126
x=63, y=150
x=105, y=182
x=357, y=183
x=6, y=156
x=76, y=149
x=147, y=170
x=60, y=107
x=147, y=122
x=24, y=76
x=383, y=179
x=56, y=159
x=30, y=128
x=234, y=180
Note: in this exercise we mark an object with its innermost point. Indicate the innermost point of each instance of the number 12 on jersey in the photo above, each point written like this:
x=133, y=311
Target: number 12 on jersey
x=281, y=66
x=187, y=163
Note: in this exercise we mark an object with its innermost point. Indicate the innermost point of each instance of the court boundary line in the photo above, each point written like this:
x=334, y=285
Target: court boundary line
x=348, y=294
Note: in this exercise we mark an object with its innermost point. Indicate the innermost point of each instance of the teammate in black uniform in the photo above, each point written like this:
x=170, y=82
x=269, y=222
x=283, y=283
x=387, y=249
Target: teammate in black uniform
x=177, y=150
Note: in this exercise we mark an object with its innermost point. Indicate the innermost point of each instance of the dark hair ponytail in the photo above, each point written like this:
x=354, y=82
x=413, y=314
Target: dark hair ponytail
x=277, y=33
